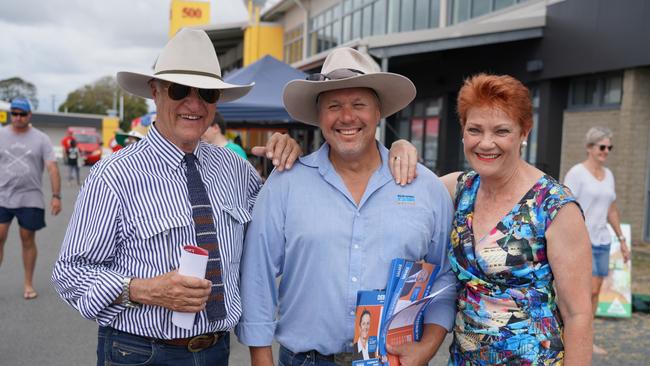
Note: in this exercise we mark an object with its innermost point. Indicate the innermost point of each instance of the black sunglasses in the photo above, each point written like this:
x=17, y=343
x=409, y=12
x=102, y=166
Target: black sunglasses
x=178, y=92
x=335, y=75
x=603, y=147
x=21, y=114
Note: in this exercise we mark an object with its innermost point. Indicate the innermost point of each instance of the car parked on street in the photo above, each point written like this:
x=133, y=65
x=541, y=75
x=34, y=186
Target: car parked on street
x=88, y=142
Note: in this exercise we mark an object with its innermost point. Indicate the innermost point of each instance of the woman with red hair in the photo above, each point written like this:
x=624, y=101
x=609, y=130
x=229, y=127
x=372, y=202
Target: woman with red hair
x=518, y=236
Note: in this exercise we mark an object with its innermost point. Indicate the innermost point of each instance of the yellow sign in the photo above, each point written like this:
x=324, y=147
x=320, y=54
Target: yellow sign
x=3, y=117
x=261, y=40
x=109, y=126
x=186, y=14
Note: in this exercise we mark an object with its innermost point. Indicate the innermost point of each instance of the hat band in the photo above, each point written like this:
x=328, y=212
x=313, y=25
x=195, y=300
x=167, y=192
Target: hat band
x=190, y=72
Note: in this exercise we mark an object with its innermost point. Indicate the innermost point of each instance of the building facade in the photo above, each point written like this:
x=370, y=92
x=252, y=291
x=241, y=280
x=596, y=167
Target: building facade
x=586, y=63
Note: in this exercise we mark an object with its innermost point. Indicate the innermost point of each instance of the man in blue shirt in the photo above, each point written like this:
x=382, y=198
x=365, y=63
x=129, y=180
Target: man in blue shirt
x=331, y=226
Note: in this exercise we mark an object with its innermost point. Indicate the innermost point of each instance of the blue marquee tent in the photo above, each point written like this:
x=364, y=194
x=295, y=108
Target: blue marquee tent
x=263, y=104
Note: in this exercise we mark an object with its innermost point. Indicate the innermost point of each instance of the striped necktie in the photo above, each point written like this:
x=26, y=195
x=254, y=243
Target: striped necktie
x=206, y=238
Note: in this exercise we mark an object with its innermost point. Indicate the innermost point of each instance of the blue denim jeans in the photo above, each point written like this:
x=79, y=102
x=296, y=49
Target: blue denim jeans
x=288, y=358
x=600, y=260
x=117, y=348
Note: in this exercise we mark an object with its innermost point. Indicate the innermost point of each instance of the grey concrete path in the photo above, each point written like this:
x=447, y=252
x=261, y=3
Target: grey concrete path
x=43, y=331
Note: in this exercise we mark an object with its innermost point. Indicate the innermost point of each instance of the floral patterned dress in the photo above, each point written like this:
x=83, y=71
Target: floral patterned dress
x=507, y=313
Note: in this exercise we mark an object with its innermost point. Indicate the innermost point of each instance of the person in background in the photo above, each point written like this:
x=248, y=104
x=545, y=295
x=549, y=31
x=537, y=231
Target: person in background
x=331, y=226
x=65, y=144
x=237, y=140
x=508, y=312
x=72, y=162
x=215, y=135
x=592, y=183
x=140, y=206
x=113, y=145
x=25, y=153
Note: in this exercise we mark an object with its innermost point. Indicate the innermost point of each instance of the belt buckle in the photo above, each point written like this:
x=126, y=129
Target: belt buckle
x=199, y=338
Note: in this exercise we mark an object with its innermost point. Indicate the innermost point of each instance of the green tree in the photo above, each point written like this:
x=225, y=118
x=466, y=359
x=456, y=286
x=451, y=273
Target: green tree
x=98, y=98
x=17, y=87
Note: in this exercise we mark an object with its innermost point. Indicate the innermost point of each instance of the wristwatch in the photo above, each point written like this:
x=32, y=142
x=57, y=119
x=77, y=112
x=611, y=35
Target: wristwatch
x=621, y=238
x=126, y=295
x=56, y=195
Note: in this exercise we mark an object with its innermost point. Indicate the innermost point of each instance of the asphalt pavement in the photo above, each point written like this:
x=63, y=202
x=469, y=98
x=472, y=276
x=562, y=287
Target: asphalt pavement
x=47, y=331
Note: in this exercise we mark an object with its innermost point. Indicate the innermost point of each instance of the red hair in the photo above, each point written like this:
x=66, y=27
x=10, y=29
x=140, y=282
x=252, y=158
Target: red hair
x=502, y=92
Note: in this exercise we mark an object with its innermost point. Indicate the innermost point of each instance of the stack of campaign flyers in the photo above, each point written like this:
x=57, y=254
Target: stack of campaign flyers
x=393, y=316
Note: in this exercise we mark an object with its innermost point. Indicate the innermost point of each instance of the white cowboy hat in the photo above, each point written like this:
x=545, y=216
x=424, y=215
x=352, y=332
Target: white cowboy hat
x=188, y=59
x=347, y=68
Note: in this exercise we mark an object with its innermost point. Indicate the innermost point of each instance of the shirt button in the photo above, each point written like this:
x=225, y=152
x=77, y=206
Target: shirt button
x=352, y=313
x=354, y=279
x=356, y=246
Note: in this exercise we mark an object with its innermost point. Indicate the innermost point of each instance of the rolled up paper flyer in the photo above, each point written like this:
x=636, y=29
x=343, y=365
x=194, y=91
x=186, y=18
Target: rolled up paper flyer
x=193, y=262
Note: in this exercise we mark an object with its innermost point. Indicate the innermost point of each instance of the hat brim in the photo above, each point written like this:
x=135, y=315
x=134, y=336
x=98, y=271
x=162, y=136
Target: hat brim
x=138, y=84
x=394, y=91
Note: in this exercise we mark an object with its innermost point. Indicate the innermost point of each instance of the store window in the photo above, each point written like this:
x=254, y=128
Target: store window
x=353, y=19
x=343, y=22
x=462, y=10
x=596, y=91
x=420, y=124
x=293, y=42
x=409, y=15
x=530, y=152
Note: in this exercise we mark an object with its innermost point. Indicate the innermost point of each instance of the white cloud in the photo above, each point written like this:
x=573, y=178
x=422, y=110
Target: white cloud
x=61, y=45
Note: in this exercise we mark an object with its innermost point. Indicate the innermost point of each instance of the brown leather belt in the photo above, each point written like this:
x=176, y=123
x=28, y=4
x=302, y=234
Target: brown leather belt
x=196, y=343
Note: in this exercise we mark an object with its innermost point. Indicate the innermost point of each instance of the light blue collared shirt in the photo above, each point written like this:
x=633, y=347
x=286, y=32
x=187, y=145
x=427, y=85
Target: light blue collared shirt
x=307, y=228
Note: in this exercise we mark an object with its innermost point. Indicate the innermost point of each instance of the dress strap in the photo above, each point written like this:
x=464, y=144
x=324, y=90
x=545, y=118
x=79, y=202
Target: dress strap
x=463, y=182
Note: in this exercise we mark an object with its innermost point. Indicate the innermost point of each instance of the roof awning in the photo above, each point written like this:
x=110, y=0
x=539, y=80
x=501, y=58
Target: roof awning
x=263, y=104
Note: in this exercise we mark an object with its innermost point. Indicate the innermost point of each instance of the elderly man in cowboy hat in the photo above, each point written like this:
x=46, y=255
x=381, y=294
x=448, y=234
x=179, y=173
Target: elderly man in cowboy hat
x=140, y=207
x=331, y=226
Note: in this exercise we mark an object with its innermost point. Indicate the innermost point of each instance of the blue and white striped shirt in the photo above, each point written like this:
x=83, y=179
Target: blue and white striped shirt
x=133, y=216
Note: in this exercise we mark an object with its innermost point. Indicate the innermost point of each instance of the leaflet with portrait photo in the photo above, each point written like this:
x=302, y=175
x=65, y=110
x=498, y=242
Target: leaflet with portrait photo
x=400, y=312
x=368, y=319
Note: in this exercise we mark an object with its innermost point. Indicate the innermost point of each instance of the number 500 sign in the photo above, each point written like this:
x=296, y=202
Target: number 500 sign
x=192, y=13
x=188, y=13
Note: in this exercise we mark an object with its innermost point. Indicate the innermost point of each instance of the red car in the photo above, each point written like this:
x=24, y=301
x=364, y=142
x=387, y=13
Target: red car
x=88, y=142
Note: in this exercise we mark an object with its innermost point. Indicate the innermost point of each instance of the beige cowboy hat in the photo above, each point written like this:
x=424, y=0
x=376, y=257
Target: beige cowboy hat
x=188, y=59
x=347, y=68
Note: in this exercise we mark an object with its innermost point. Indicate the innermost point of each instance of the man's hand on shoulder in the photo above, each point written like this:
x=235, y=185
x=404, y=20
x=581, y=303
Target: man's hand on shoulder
x=172, y=291
x=281, y=149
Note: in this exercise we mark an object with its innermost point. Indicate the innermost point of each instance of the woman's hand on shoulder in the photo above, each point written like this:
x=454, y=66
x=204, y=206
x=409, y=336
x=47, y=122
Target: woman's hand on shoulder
x=402, y=161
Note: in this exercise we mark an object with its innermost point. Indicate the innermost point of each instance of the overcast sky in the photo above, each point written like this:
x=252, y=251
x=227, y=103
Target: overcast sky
x=61, y=45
